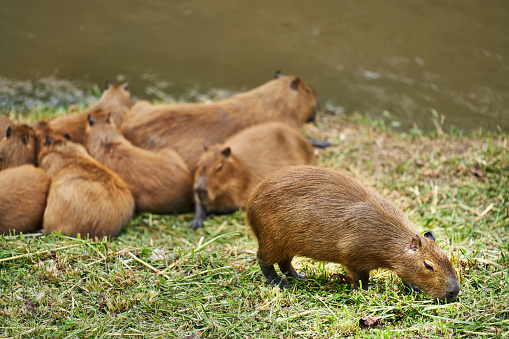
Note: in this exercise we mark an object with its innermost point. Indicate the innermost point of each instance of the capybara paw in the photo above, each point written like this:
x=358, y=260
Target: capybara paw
x=195, y=223
x=281, y=283
x=300, y=276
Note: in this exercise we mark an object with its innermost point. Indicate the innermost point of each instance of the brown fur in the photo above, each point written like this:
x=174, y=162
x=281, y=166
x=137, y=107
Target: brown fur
x=159, y=181
x=115, y=99
x=4, y=123
x=84, y=197
x=328, y=216
x=187, y=127
x=229, y=172
x=22, y=198
x=17, y=146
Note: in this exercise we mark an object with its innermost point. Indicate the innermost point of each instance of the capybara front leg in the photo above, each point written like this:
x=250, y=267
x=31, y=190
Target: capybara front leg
x=270, y=273
x=287, y=268
x=360, y=278
x=199, y=215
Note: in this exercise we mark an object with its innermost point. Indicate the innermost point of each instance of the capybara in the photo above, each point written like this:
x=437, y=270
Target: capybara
x=228, y=173
x=4, y=123
x=159, y=180
x=116, y=99
x=325, y=215
x=17, y=146
x=187, y=127
x=84, y=197
x=22, y=198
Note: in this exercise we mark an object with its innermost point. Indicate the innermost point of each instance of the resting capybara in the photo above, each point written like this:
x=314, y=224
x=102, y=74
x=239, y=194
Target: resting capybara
x=228, y=173
x=17, y=147
x=159, y=180
x=187, y=127
x=4, y=123
x=325, y=215
x=84, y=197
x=115, y=99
x=22, y=198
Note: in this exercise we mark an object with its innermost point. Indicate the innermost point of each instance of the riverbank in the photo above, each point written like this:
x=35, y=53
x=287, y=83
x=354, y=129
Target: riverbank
x=159, y=279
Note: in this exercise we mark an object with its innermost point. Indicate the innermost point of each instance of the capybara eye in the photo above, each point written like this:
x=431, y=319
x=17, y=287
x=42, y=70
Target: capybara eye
x=428, y=266
x=9, y=132
x=219, y=168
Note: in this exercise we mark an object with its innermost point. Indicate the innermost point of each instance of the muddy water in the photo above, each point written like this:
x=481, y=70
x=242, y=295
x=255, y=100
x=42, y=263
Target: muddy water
x=374, y=56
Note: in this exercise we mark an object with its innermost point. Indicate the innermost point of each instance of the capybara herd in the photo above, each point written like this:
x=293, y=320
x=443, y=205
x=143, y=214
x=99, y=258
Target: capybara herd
x=86, y=174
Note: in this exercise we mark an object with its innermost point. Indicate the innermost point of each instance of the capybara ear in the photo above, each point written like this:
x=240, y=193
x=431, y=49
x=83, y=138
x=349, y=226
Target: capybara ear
x=24, y=138
x=48, y=141
x=430, y=235
x=91, y=120
x=108, y=117
x=226, y=152
x=9, y=132
x=67, y=136
x=126, y=86
x=106, y=84
x=278, y=74
x=295, y=83
x=415, y=244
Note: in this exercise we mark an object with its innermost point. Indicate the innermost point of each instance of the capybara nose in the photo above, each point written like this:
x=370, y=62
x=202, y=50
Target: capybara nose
x=201, y=193
x=451, y=295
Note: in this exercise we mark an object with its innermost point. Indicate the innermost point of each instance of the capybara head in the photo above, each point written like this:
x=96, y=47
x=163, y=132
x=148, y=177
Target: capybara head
x=424, y=266
x=117, y=93
x=17, y=147
x=43, y=132
x=217, y=173
x=289, y=93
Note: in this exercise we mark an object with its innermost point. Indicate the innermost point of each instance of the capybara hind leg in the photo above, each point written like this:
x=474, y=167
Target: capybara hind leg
x=360, y=278
x=287, y=268
x=270, y=274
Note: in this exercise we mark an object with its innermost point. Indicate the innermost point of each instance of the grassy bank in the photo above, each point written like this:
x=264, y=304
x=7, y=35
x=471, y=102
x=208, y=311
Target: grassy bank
x=158, y=279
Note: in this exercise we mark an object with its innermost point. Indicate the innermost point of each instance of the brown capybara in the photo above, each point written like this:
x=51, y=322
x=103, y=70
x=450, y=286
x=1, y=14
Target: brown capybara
x=84, y=197
x=17, y=147
x=325, y=215
x=115, y=99
x=22, y=198
x=228, y=173
x=4, y=123
x=187, y=127
x=159, y=180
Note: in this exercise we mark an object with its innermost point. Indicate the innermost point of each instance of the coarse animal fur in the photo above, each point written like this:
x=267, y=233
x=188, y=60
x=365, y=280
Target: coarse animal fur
x=4, y=123
x=22, y=198
x=159, y=180
x=116, y=99
x=187, y=127
x=228, y=173
x=328, y=216
x=84, y=197
x=17, y=146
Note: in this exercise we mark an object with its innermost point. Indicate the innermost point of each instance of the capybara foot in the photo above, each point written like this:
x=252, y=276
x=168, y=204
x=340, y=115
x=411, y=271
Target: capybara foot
x=195, y=224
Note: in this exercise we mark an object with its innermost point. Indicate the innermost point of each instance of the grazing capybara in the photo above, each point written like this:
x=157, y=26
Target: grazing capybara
x=23, y=195
x=84, y=197
x=325, y=215
x=228, y=173
x=115, y=99
x=4, y=123
x=17, y=146
x=159, y=180
x=187, y=127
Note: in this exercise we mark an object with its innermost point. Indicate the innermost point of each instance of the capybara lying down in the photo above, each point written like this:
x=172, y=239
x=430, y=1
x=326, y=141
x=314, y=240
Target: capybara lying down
x=188, y=127
x=115, y=99
x=325, y=215
x=84, y=197
x=23, y=192
x=4, y=123
x=228, y=173
x=159, y=180
x=17, y=146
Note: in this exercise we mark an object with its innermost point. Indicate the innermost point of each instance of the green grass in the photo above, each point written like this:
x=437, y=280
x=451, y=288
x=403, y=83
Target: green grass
x=207, y=283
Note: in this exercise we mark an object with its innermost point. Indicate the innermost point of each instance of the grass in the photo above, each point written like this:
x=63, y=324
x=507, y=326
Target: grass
x=159, y=279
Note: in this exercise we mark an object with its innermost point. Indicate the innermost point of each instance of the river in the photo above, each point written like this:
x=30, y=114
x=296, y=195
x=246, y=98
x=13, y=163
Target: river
x=405, y=57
